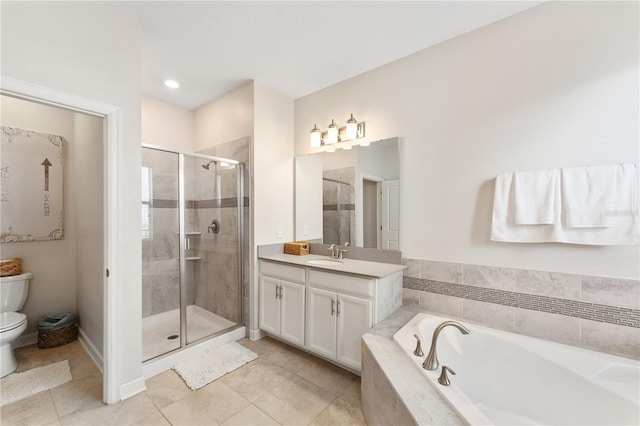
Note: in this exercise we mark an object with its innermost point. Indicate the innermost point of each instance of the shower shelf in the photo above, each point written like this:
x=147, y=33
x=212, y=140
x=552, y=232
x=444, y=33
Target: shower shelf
x=193, y=233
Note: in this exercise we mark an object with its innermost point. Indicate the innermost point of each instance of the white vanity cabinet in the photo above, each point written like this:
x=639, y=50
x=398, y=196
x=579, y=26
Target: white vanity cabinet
x=282, y=302
x=325, y=311
x=339, y=312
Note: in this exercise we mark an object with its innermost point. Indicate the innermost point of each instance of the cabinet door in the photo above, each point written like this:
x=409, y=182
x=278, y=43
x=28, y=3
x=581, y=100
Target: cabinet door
x=354, y=319
x=321, y=321
x=292, y=311
x=269, y=318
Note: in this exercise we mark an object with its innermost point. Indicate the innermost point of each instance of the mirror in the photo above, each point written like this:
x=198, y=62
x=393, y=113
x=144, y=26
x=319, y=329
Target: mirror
x=349, y=195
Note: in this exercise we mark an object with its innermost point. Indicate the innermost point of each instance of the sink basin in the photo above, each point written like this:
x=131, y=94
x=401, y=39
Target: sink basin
x=324, y=262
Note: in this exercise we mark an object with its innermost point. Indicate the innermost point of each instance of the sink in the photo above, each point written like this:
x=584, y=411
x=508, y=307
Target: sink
x=325, y=262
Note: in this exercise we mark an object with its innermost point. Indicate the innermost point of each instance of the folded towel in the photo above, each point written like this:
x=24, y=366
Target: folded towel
x=588, y=193
x=501, y=198
x=534, y=197
x=624, y=218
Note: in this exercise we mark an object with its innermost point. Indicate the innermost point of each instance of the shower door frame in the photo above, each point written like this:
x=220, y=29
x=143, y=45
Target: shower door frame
x=182, y=246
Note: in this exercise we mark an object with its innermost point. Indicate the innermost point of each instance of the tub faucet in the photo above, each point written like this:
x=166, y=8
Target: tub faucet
x=431, y=362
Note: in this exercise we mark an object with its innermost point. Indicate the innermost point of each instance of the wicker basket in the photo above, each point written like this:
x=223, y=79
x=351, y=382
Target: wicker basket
x=59, y=337
x=10, y=267
x=299, y=248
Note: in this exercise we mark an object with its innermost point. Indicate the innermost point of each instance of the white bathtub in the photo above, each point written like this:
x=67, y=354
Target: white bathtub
x=508, y=379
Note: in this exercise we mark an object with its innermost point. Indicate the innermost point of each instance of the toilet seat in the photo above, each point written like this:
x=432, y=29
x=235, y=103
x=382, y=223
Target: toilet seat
x=11, y=320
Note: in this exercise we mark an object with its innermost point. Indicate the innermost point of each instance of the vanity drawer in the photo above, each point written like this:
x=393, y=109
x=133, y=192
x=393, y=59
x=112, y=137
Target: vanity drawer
x=284, y=272
x=342, y=283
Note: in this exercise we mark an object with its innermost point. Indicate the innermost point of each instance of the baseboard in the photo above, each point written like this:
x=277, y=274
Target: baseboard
x=91, y=349
x=132, y=388
x=256, y=334
x=26, y=340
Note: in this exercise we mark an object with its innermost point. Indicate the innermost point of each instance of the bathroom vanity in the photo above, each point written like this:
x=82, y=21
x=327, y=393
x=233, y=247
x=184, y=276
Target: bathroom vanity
x=325, y=306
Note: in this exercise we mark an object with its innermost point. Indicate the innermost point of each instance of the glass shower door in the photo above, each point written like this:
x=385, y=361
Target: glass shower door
x=160, y=253
x=212, y=265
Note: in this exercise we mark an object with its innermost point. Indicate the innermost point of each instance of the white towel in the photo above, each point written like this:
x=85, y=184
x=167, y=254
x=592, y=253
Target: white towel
x=503, y=226
x=625, y=229
x=534, y=197
x=588, y=193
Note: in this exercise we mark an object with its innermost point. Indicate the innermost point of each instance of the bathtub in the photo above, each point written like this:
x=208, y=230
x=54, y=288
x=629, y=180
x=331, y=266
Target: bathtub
x=507, y=379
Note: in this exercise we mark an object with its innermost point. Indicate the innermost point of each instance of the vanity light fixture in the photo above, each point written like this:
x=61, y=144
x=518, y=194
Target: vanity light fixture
x=316, y=137
x=333, y=135
x=352, y=129
x=172, y=84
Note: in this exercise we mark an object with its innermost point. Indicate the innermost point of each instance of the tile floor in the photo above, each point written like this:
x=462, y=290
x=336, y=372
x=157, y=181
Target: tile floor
x=283, y=386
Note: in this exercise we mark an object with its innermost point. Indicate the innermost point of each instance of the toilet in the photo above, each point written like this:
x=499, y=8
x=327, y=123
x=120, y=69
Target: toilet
x=13, y=294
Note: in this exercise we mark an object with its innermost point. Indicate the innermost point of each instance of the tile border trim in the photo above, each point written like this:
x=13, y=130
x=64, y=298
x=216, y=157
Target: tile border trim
x=590, y=311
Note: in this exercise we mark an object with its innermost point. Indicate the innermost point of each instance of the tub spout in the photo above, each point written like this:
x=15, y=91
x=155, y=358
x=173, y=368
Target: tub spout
x=431, y=362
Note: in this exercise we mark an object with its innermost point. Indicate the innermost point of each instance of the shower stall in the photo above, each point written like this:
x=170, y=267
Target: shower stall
x=192, y=251
x=338, y=215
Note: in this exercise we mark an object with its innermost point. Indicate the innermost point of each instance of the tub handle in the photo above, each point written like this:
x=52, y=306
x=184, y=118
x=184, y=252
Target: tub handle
x=418, y=351
x=444, y=378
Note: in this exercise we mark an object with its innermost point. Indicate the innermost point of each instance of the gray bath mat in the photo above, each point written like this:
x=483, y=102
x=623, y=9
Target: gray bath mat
x=213, y=364
x=21, y=385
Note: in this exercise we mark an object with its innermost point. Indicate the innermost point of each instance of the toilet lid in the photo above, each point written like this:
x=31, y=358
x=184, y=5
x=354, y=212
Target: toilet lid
x=11, y=320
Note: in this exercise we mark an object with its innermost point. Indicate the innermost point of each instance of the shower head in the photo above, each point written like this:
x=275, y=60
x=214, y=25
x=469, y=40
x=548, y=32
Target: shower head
x=206, y=166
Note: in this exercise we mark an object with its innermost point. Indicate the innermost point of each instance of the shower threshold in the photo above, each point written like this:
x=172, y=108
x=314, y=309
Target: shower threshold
x=161, y=332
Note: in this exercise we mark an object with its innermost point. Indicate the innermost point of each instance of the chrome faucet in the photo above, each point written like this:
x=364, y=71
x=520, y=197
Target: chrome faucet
x=336, y=253
x=431, y=362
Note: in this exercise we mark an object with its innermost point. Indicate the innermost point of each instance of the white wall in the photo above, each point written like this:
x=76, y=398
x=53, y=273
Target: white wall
x=272, y=176
x=554, y=86
x=167, y=125
x=224, y=119
x=90, y=50
x=273, y=166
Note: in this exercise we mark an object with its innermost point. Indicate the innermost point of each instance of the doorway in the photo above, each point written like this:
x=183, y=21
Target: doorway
x=57, y=222
x=111, y=142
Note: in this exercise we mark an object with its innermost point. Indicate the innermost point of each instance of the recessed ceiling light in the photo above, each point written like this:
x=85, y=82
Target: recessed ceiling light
x=172, y=84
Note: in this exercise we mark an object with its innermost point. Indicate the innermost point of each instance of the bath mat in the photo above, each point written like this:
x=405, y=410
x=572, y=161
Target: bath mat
x=213, y=364
x=21, y=385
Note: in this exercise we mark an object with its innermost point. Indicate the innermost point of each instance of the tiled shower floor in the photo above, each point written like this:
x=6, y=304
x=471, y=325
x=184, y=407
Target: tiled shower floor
x=156, y=329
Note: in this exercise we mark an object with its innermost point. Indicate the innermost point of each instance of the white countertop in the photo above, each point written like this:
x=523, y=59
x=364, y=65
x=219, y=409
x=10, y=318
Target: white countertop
x=347, y=266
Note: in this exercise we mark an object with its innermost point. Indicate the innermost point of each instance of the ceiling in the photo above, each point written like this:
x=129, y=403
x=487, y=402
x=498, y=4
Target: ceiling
x=296, y=48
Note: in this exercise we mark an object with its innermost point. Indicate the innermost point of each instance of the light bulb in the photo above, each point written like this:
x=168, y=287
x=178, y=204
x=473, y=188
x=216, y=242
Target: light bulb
x=316, y=137
x=172, y=84
x=332, y=133
x=352, y=129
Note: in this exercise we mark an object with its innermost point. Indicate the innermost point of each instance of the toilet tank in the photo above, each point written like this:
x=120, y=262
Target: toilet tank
x=13, y=292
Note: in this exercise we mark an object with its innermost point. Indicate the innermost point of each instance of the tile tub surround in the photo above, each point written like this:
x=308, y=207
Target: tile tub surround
x=393, y=392
x=601, y=314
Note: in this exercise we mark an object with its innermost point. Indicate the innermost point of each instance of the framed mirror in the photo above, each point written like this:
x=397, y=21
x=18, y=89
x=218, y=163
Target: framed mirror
x=349, y=196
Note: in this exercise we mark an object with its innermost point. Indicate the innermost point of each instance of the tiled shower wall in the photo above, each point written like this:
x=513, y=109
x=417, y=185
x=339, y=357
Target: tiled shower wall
x=226, y=259
x=338, y=211
x=597, y=313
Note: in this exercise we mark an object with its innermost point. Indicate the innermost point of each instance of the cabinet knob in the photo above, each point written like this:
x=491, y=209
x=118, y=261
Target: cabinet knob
x=333, y=303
